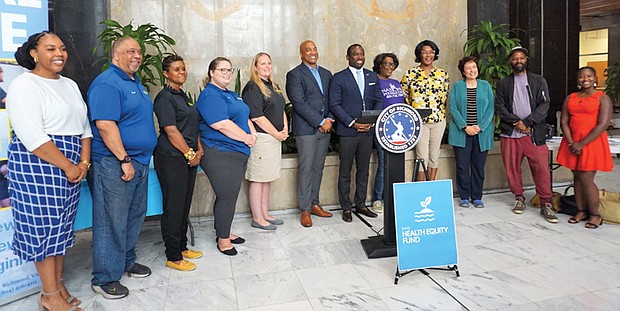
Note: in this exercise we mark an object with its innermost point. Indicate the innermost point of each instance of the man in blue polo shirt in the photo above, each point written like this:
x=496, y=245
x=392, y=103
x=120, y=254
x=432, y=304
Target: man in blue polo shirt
x=121, y=116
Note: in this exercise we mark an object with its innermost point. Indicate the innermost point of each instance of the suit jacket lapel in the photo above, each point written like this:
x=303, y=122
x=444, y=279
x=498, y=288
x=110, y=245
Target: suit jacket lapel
x=324, y=79
x=353, y=82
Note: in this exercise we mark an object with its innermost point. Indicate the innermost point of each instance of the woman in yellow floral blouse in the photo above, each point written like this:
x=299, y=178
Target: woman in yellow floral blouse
x=426, y=86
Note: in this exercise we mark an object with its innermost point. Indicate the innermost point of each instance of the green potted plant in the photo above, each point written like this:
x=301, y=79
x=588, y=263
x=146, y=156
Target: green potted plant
x=612, y=85
x=154, y=43
x=491, y=44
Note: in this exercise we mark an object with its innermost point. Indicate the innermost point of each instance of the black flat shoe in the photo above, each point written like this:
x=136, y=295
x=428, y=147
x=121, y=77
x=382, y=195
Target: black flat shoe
x=576, y=219
x=229, y=252
x=237, y=240
x=592, y=225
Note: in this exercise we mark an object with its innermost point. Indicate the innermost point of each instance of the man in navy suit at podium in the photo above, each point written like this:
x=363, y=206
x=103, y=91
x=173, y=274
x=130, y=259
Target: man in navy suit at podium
x=352, y=91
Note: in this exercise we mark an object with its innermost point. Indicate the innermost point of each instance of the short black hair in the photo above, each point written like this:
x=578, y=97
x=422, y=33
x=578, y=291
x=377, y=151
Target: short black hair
x=379, y=60
x=168, y=60
x=466, y=60
x=586, y=68
x=418, y=50
x=22, y=55
x=352, y=46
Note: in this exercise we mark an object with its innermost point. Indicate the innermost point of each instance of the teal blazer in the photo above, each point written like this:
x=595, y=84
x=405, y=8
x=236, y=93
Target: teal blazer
x=458, y=112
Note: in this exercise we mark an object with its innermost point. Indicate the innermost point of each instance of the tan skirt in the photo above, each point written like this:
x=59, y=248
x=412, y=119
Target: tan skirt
x=265, y=158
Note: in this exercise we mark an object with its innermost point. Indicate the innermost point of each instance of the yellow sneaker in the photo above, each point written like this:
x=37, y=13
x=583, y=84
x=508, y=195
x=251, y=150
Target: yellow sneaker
x=191, y=254
x=184, y=265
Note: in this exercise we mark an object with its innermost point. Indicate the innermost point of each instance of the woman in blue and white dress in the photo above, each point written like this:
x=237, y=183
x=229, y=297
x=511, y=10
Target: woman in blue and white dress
x=48, y=157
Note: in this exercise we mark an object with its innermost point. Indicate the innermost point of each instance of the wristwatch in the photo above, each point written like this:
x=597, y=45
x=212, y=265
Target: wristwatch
x=86, y=163
x=126, y=159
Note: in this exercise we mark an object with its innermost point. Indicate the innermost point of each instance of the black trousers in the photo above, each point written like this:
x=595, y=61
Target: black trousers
x=356, y=149
x=177, y=181
x=226, y=171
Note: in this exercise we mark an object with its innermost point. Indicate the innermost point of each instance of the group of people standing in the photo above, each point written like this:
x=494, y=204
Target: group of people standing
x=320, y=99
x=58, y=142
x=522, y=103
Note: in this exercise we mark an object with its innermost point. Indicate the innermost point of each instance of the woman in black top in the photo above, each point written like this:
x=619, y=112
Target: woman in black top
x=176, y=158
x=267, y=113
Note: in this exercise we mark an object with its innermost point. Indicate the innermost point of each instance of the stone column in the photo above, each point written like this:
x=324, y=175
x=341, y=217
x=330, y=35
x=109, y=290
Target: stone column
x=77, y=24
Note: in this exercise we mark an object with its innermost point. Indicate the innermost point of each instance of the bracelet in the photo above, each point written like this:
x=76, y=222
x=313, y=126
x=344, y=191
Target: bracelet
x=190, y=154
x=86, y=163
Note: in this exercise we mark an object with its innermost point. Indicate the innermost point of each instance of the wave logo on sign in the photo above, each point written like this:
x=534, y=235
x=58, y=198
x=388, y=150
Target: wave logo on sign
x=426, y=214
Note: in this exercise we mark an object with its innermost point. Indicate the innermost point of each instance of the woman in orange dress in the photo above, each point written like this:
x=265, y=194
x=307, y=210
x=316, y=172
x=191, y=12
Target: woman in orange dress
x=584, y=148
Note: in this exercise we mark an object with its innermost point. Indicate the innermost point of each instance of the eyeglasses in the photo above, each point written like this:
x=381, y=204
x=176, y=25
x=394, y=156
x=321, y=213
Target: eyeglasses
x=226, y=71
x=389, y=65
x=431, y=52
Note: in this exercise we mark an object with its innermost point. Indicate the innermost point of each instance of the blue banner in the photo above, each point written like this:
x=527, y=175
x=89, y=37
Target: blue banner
x=18, y=277
x=18, y=20
x=84, y=217
x=5, y=134
x=425, y=228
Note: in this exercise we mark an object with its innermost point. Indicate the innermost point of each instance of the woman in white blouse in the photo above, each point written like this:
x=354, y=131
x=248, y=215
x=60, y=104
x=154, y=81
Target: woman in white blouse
x=48, y=157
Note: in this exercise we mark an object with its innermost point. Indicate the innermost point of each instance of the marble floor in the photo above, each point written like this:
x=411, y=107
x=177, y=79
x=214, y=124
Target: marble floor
x=506, y=261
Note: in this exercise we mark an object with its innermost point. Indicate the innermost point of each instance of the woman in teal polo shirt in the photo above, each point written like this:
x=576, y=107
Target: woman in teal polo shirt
x=471, y=130
x=227, y=135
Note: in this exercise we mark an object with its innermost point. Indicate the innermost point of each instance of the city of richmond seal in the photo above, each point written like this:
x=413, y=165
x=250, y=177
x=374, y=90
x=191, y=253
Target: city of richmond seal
x=398, y=128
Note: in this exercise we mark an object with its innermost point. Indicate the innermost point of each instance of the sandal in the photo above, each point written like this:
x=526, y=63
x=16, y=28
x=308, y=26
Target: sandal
x=591, y=225
x=72, y=300
x=574, y=219
x=42, y=308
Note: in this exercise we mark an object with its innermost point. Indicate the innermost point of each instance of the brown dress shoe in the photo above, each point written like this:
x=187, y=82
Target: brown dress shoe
x=306, y=219
x=366, y=212
x=346, y=216
x=318, y=211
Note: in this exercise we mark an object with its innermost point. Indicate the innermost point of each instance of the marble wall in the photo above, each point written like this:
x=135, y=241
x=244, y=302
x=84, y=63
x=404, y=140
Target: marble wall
x=205, y=29
x=239, y=29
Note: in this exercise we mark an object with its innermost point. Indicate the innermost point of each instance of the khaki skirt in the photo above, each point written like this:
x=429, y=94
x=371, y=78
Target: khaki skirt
x=265, y=158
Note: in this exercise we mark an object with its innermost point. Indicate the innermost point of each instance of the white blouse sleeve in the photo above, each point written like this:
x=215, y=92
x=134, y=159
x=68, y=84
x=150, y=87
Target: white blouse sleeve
x=86, y=123
x=25, y=107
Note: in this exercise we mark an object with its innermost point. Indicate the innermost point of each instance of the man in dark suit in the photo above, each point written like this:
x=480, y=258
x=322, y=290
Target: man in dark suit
x=307, y=86
x=352, y=91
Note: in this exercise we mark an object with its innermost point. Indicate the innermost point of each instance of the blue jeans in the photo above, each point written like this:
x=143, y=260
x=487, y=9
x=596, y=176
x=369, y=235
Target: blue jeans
x=378, y=191
x=119, y=208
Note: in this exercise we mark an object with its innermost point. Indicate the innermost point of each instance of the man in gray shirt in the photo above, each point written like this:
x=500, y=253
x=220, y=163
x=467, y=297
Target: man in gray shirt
x=522, y=102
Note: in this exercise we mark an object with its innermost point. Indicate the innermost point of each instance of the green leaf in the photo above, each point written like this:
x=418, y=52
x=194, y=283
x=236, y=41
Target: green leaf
x=111, y=23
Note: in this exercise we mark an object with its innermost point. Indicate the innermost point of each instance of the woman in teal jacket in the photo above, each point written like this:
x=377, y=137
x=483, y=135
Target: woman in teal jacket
x=471, y=130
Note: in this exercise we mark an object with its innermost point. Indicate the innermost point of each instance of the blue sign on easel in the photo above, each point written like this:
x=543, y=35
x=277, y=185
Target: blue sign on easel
x=425, y=228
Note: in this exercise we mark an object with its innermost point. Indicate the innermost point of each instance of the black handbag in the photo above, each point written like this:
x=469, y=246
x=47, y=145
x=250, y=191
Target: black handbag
x=568, y=204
